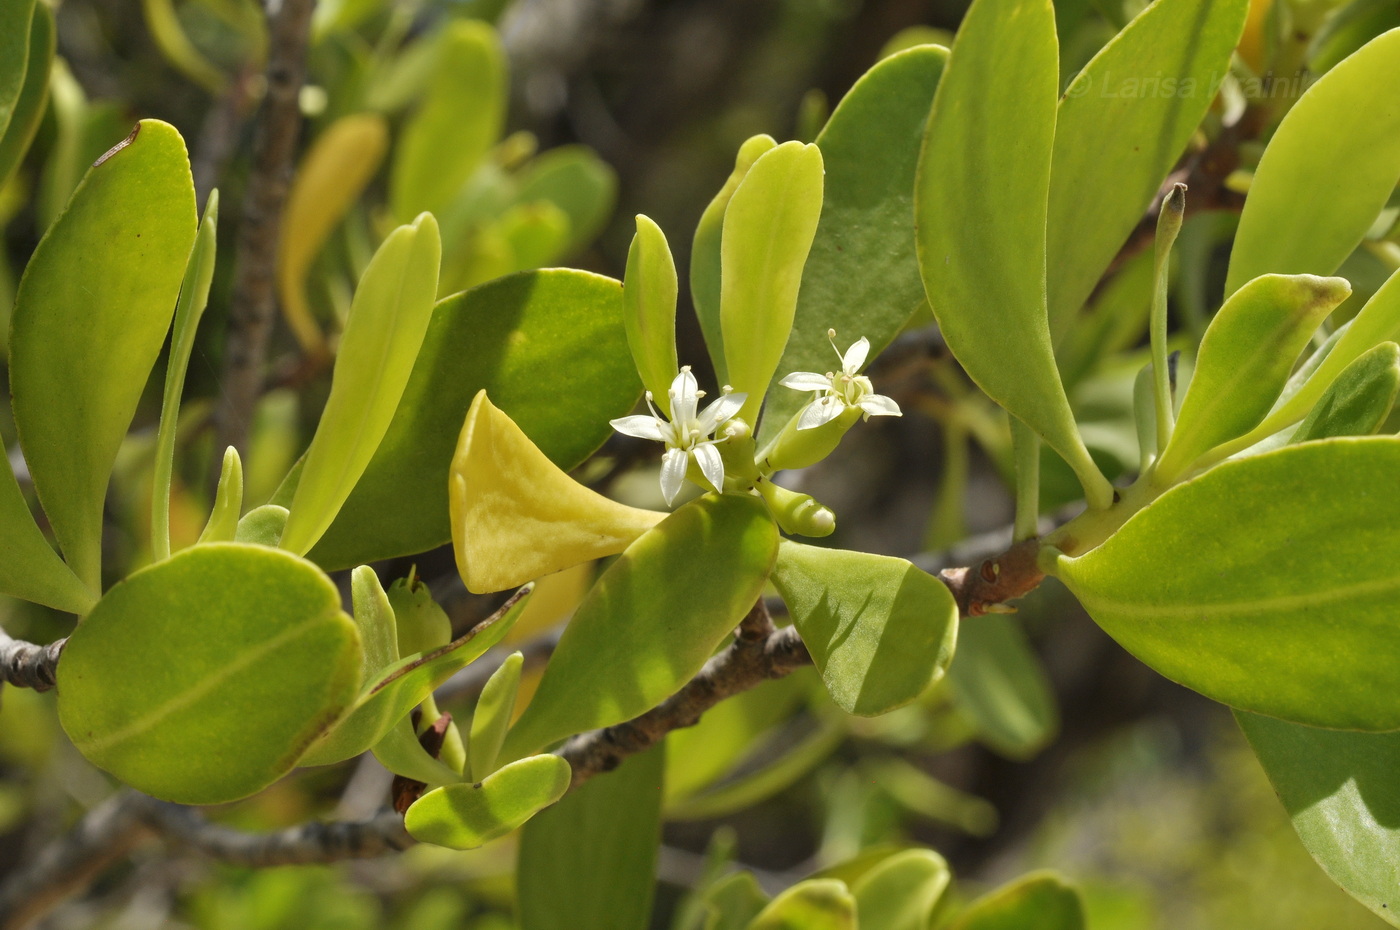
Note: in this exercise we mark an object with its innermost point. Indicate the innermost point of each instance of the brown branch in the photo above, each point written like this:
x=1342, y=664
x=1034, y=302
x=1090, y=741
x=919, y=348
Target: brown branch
x=26, y=665
x=986, y=587
x=743, y=665
x=274, y=149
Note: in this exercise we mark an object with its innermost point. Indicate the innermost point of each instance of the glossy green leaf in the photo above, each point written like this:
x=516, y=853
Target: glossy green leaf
x=1328, y=171
x=395, y=690
x=1285, y=609
x=261, y=660
x=1115, y=139
x=880, y=630
x=551, y=348
x=652, y=619
x=706, y=252
x=1244, y=361
x=590, y=861
x=1038, y=901
x=902, y=892
x=30, y=568
x=89, y=320
x=222, y=525
x=1000, y=685
x=465, y=816
x=578, y=182
x=28, y=107
x=816, y=904
x=1339, y=789
x=15, y=18
x=492, y=716
x=388, y=320
x=1359, y=401
x=861, y=276
x=262, y=525
x=649, y=290
x=194, y=296
x=980, y=207
x=462, y=114
x=769, y=226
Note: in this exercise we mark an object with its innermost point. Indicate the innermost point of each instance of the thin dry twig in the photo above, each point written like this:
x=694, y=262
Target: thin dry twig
x=26, y=665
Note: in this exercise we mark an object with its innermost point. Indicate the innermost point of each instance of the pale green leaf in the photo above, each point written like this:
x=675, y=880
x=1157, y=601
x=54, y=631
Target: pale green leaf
x=465, y=816
x=879, y=629
x=551, y=348
x=816, y=904
x=768, y=229
x=902, y=892
x=750, y=788
x=30, y=568
x=28, y=108
x=262, y=525
x=733, y=902
x=388, y=320
x=222, y=525
x=1339, y=790
x=1038, y=901
x=374, y=617
x=1326, y=174
x=89, y=320
x=1359, y=401
x=999, y=684
x=257, y=660
x=492, y=716
x=578, y=182
x=1268, y=583
x=980, y=206
x=1244, y=361
x=1115, y=141
x=862, y=276
x=649, y=290
x=590, y=861
x=421, y=625
x=15, y=19
x=652, y=619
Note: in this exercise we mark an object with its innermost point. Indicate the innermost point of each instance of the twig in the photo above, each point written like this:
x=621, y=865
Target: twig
x=274, y=148
x=987, y=587
x=101, y=838
x=26, y=665
x=743, y=665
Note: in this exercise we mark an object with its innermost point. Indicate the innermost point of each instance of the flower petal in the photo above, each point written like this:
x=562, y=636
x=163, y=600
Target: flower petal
x=641, y=426
x=673, y=465
x=707, y=457
x=820, y=412
x=878, y=405
x=854, y=359
x=806, y=381
x=684, y=398
x=724, y=407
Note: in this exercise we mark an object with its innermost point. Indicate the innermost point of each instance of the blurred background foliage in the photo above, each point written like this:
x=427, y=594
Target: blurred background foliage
x=535, y=129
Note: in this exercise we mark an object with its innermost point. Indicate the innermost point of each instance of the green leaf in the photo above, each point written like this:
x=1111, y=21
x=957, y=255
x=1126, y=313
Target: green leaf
x=902, y=892
x=706, y=252
x=768, y=229
x=374, y=617
x=590, y=861
x=1038, y=901
x=461, y=117
x=1244, y=361
x=394, y=690
x=466, y=816
x=999, y=684
x=1359, y=401
x=388, y=319
x=28, y=108
x=1348, y=27
x=733, y=902
x=15, y=33
x=551, y=348
x=862, y=276
x=30, y=568
x=578, y=182
x=202, y=678
x=262, y=525
x=492, y=716
x=1113, y=147
x=420, y=624
x=1328, y=171
x=1268, y=583
x=89, y=320
x=194, y=296
x=400, y=752
x=816, y=904
x=649, y=290
x=776, y=775
x=1339, y=789
x=880, y=630
x=652, y=619
x=980, y=207
x=222, y=525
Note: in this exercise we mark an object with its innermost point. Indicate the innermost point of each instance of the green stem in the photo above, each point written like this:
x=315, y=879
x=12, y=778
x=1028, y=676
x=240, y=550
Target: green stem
x=1168, y=225
x=1025, y=447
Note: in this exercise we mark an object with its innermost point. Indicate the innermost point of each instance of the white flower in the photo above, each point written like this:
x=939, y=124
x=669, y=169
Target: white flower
x=688, y=434
x=836, y=392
